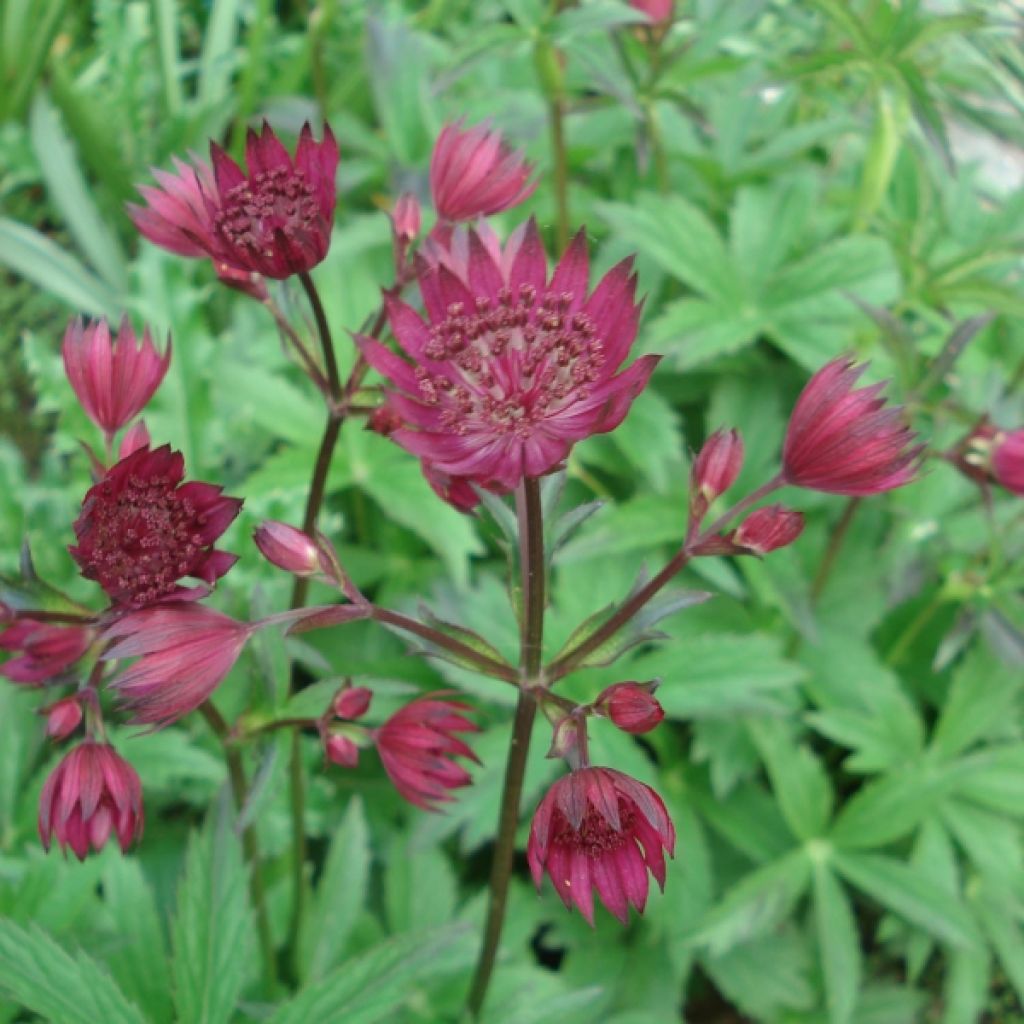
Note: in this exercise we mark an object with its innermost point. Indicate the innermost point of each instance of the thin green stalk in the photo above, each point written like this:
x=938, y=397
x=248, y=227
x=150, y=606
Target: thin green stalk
x=556, y=119
x=531, y=558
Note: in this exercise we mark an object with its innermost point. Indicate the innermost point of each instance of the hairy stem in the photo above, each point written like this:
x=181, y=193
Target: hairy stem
x=250, y=841
x=531, y=557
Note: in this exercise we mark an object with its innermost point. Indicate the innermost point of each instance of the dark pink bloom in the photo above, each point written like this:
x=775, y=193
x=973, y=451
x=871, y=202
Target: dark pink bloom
x=92, y=794
x=62, y=717
x=341, y=750
x=185, y=650
x=846, y=440
x=473, y=173
x=714, y=470
x=352, y=702
x=1008, y=460
x=44, y=649
x=417, y=745
x=142, y=530
x=511, y=367
x=113, y=378
x=658, y=11
x=288, y=548
x=275, y=221
x=771, y=527
x=631, y=706
x=405, y=218
x=600, y=829
x=135, y=437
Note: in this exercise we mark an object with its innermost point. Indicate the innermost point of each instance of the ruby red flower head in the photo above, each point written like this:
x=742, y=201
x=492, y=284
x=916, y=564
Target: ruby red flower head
x=417, y=745
x=91, y=795
x=142, y=530
x=511, y=367
x=474, y=173
x=600, y=829
x=275, y=219
x=113, y=377
x=847, y=440
x=43, y=650
x=184, y=652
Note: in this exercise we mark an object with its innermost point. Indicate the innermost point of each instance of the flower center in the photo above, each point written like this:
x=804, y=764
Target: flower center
x=510, y=363
x=254, y=211
x=139, y=538
x=595, y=837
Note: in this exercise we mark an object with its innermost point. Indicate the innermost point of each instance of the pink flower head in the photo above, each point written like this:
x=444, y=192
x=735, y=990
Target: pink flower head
x=92, y=794
x=288, y=548
x=417, y=744
x=631, y=706
x=352, y=702
x=63, y=717
x=1008, y=460
x=771, y=527
x=44, y=650
x=474, y=173
x=846, y=440
x=714, y=470
x=275, y=221
x=511, y=367
x=659, y=11
x=600, y=829
x=184, y=651
x=113, y=378
x=142, y=530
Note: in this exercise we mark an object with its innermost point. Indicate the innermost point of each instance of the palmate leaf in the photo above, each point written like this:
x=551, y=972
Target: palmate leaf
x=839, y=945
x=40, y=975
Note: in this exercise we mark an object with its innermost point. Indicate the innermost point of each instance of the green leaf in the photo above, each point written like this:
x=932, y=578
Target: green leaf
x=373, y=986
x=62, y=989
x=217, y=59
x=419, y=886
x=213, y=929
x=839, y=943
x=910, y=895
x=340, y=895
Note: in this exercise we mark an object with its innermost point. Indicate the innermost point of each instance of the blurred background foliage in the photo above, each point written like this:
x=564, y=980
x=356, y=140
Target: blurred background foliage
x=844, y=758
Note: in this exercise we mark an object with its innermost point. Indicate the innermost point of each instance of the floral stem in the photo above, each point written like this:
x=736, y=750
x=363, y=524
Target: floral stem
x=556, y=119
x=250, y=841
x=531, y=557
x=308, y=363
x=835, y=544
x=324, y=331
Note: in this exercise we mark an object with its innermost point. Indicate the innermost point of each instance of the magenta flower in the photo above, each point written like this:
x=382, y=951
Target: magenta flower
x=287, y=547
x=113, y=378
x=474, y=173
x=767, y=529
x=417, y=744
x=185, y=650
x=631, y=706
x=92, y=794
x=511, y=368
x=600, y=829
x=142, y=530
x=846, y=440
x=1008, y=460
x=44, y=649
x=275, y=221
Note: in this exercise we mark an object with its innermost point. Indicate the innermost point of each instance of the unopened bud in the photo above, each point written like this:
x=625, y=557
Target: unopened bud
x=341, y=750
x=631, y=706
x=352, y=702
x=714, y=470
x=771, y=527
x=405, y=218
x=1008, y=460
x=383, y=420
x=62, y=718
x=136, y=437
x=288, y=548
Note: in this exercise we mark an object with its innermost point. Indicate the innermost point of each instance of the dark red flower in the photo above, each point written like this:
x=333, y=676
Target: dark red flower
x=631, y=706
x=417, y=744
x=142, y=530
x=92, y=794
x=767, y=529
x=185, y=650
x=44, y=649
x=473, y=173
x=511, y=368
x=600, y=829
x=846, y=440
x=115, y=377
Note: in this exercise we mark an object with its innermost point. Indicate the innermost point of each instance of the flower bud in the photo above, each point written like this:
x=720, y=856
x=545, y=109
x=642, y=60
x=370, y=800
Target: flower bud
x=136, y=437
x=62, y=718
x=771, y=527
x=1008, y=460
x=341, y=750
x=631, y=706
x=287, y=547
x=714, y=470
x=659, y=11
x=352, y=702
x=405, y=218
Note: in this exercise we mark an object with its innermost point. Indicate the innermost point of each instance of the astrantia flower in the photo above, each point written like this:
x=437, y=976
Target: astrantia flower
x=275, y=221
x=184, y=651
x=44, y=649
x=92, y=794
x=846, y=440
x=600, y=829
x=115, y=377
x=1008, y=460
x=417, y=744
x=511, y=368
x=631, y=706
x=768, y=529
x=474, y=173
x=142, y=530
